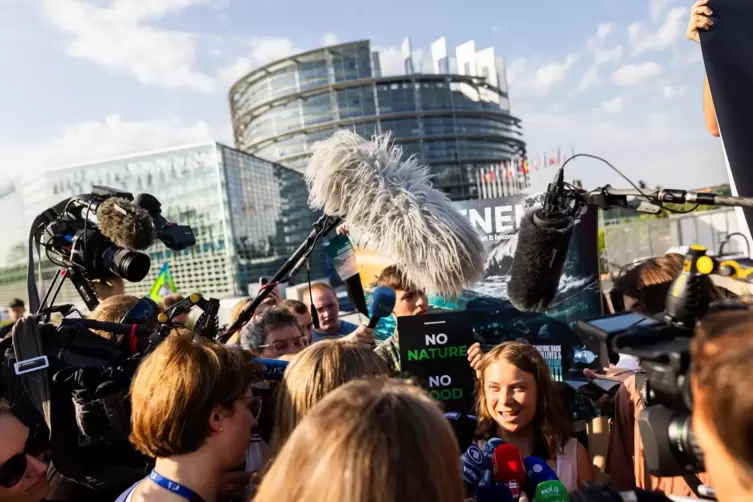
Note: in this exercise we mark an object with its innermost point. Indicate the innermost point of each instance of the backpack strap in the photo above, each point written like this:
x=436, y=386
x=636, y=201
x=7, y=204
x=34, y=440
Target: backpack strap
x=32, y=365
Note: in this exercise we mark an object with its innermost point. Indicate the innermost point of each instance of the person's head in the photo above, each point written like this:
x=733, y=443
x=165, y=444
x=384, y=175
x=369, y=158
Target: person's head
x=410, y=300
x=23, y=477
x=722, y=362
x=171, y=300
x=324, y=299
x=368, y=441
x=16, y=309
x=130, y=310
x=644, y=287
x=301, y=312
x=316, y=372
x=189, y=396
x=274, y=333
x=516, y=396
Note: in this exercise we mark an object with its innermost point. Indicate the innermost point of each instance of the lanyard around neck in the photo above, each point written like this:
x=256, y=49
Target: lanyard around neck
x=176, y=488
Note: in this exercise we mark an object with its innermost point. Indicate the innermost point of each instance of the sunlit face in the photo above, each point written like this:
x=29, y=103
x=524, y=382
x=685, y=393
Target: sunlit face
x=411, y=302
x=720, y=466
x=16, y=313
x=32, y=485
x=284, y=340
x=511, y=395
x=327, y=309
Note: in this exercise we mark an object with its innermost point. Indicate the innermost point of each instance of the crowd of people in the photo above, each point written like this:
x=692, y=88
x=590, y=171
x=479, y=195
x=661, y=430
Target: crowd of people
x=345, y=423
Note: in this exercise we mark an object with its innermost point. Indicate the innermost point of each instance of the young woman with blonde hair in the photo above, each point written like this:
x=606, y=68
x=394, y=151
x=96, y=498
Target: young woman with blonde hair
x=368, y=441
x=316, y=372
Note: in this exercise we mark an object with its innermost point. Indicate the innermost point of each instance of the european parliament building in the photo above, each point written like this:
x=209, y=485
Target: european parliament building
x=454, y=122
x=248, y=215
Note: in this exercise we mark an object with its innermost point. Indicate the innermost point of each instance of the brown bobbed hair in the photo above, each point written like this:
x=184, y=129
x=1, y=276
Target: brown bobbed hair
x=649, y=283
x=371, y=440
x=722, y=363
x=552, y=426
x=177, y=388
x=314, y=373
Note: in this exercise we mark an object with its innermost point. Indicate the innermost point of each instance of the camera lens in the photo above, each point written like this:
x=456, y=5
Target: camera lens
x=130, y=265
x=681, y=435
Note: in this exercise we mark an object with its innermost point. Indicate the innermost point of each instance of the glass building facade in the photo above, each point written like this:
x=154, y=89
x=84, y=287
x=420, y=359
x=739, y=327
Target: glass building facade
x=248, y=215
x=455, y=124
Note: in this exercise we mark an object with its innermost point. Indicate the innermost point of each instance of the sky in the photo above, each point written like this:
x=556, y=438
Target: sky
x=87, y=79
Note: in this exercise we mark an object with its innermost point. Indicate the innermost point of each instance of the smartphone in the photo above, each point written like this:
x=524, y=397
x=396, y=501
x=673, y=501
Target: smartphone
x=263, y=281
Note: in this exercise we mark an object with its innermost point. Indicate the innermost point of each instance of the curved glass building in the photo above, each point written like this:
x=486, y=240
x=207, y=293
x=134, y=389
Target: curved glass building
x=454, y=123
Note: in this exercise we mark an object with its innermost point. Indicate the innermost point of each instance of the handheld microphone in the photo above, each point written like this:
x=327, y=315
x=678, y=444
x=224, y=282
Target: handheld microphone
x=464, y=427
x=273, y=368
x=471, y=462
x=543, y=240
x=494, y=493
x=551, y=491
x=382, y=303
x=507, y=464
x=537, y=472
x=125, y=224
x=393, y=206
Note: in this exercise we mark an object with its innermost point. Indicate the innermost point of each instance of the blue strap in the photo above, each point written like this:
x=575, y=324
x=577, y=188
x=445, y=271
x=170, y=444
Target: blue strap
x=174, y=487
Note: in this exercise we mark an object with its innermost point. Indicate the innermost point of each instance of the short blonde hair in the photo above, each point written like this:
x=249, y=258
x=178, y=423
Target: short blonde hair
x=316, y=372
x=113, y=309
x=176, y=389
x=368, y=441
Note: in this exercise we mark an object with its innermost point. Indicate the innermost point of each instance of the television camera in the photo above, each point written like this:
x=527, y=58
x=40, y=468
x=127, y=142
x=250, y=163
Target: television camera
x=97, y=235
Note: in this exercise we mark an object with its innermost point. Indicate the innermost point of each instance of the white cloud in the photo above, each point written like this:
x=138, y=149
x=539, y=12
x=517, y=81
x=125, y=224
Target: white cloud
x=602, y=56
x=94, y=140
x=260, y=50
x=644, y=40
x=615, y=105
x=604, y=30
x=671, y=92
x=590, y=78
x=636, y=74
x=527, y=78
x=330, y=39
x=119, y=38
x=658, y=7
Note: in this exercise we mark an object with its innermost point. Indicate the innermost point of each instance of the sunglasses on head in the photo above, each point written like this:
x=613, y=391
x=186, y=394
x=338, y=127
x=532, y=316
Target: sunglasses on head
x=12, y=470
x=140, y=313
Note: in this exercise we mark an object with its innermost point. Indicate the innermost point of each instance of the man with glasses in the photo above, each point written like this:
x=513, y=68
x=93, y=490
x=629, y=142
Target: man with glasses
x=274, y=334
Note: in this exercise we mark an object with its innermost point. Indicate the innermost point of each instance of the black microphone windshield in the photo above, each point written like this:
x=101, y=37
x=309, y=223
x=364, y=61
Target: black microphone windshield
x=391, y=204
x=539, y=260
x=125, y=224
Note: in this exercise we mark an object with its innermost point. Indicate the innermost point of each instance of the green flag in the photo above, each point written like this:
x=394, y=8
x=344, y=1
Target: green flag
x=163, y=285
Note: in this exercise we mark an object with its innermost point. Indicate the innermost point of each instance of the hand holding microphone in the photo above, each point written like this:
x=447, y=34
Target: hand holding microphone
x=382, y=303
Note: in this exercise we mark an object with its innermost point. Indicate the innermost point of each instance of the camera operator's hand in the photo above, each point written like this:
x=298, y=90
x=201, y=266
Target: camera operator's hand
x=614, y=374
x=699, y=20
x=475, y=355
x=342, y=229
x=363, y=335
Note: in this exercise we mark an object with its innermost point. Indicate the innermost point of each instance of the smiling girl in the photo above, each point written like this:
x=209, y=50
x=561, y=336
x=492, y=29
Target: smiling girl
x=517, y=402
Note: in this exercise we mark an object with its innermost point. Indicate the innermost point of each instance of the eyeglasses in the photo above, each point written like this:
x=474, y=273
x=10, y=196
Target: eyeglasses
x=141, y=312
x=12, y=470
x=280, y=347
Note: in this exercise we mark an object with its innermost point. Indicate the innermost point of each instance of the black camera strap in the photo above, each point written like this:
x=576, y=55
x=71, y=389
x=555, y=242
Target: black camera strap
x=692, y=480
x=31, y=365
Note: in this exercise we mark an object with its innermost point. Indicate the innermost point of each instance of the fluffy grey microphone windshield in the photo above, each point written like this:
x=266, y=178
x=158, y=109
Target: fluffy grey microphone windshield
x=125, y=224
x=392, y=204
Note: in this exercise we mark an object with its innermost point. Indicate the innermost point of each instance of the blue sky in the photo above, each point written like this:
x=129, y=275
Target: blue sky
x=85, y=79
